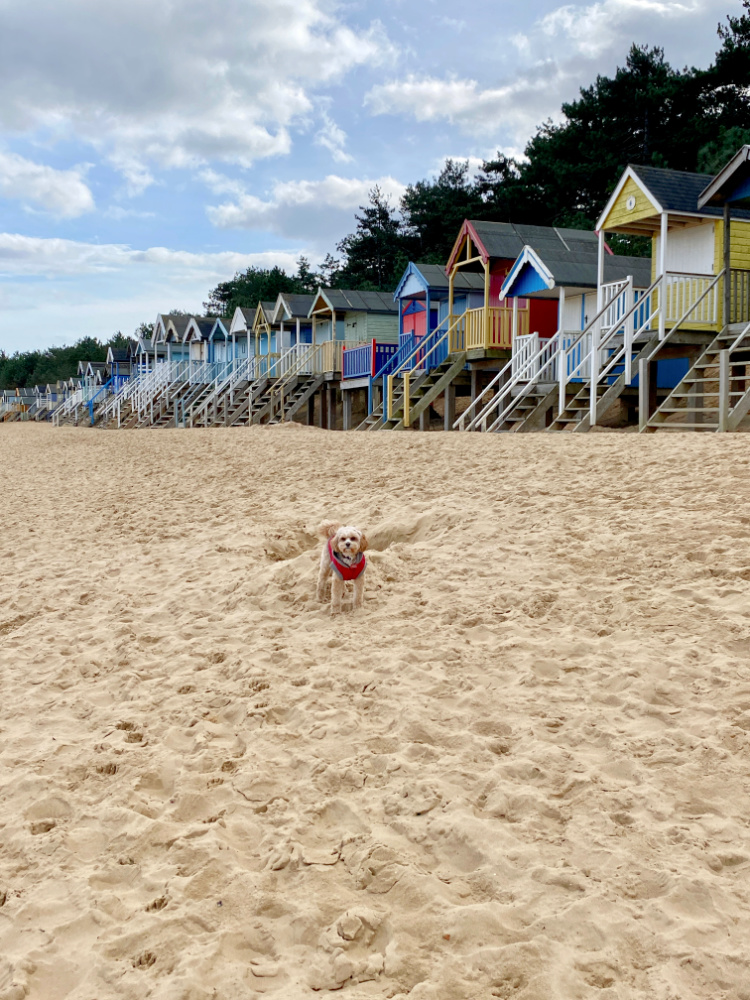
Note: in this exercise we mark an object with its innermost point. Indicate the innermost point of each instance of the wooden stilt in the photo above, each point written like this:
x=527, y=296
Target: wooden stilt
x=449, y=400
x=723, y=390
x=346, y=399
x=643, y=394
x=331, y=407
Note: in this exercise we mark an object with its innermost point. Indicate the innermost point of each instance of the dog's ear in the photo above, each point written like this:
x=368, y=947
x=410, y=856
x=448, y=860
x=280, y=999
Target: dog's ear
x=328, y=529
x=363, y=543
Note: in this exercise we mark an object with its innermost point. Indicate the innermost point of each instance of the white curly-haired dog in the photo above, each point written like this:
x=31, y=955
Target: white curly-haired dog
x=343, y=559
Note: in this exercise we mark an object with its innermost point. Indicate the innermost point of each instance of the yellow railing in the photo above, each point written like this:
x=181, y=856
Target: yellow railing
x=493, y=328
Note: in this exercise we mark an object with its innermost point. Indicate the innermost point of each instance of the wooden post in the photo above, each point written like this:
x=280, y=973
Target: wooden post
x=487, y=303
x=724, y=384
x=727, y=317
x=474, y=376
x=449, y=403
x=643, y=394
x=331, y=416
x=424, y=419
x=663, y=272
x=311, y=410
x=346, y=399
x=693, y=413
x=323, y=407
x=451, y=279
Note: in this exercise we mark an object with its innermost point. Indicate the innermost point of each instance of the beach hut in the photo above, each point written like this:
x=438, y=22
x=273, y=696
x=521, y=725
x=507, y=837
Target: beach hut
x=197, y=337
x=699, y=229
x=360, y=329
x=344, y=315
x=265, y=330
x=119, y=361
x=168, y=340
x=222, y=345
x=424, y=291
x=291, y=315
x=241, y=331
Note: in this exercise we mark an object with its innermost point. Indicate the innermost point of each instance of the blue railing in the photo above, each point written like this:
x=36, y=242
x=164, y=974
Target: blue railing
x=391, y=364
x=94, y=398
x=357, y=361
x=367, y=359
x=383, y=354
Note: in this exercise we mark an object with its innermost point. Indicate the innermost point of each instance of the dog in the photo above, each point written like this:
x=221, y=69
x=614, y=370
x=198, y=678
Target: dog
x=343, y=559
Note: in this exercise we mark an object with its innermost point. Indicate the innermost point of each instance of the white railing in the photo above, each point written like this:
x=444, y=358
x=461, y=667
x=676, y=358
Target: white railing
x=513, y=386
x=524, y=347
x=617, y=343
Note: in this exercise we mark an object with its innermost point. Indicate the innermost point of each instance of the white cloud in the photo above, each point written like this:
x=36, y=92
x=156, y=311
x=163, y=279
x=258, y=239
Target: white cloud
x=87, y=289
x=563, y=51
x=318, y=211
x=333, y=138
x=29, y=256
x=175, y=83
x=62, y=193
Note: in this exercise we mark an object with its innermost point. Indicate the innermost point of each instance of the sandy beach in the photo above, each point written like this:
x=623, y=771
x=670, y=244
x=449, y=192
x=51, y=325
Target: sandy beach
x=520, y=772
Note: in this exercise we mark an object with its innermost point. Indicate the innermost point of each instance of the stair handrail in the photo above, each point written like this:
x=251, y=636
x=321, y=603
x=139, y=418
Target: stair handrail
x=90, y=402
x=306, y=360
x=169, y=374
x=550, y=347
x=420, y=349
x=658, y=346
x=460, y=423
x=154, y=378
x=384, y=370
x=244, y=371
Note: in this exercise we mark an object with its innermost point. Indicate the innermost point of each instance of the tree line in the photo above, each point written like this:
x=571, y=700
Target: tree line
x=647, y=113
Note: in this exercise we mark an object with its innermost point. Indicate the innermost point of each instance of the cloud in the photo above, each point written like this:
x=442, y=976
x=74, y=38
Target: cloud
x=62, y=193
x=27, y=256
x=173, y=83
x=55, y=291
x=333, y=138
x=563, y=51
x=318, y=211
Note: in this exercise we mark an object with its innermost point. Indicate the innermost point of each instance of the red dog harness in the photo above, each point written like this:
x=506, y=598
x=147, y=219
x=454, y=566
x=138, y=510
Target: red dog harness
x=345, y=571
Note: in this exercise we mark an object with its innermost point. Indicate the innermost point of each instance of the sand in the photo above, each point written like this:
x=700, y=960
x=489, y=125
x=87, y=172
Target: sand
x=521, y=771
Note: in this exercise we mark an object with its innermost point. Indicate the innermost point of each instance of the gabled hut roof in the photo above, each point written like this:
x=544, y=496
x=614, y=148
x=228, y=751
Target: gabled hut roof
x=506, y=240
x=559, y=267
x=292, y=306
x=346, y=300
x=433, y=276
x=199, y=328
x=118, y=355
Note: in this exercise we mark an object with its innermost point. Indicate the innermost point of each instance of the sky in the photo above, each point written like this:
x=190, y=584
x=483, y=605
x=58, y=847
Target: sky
x=152, y=148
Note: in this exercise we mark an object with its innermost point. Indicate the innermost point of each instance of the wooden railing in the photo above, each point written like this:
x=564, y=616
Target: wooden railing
x=493, y=328
x=682, y=292
x=739, y=295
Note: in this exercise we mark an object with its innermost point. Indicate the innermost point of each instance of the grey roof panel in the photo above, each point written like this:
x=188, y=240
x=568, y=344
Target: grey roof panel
x=679, y=191
x=348, y=300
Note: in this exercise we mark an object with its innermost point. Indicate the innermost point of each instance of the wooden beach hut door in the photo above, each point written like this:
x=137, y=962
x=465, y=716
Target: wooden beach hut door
x=415, y=319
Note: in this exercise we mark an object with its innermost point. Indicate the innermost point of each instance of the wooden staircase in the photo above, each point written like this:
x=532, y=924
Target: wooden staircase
x=304, y=388
x=422, y=392
x=577, y=413
x=696, y=398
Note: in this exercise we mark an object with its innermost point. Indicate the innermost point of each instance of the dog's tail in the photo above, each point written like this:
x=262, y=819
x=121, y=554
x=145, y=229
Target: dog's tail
x=328, y=529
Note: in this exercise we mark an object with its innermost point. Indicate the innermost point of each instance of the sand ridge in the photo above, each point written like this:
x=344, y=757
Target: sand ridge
x=520, y=772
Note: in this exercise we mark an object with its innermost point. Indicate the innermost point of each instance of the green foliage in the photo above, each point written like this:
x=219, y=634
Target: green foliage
x=435, y=210
x=29, y=368
x=247, y=288
x=377, y=248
